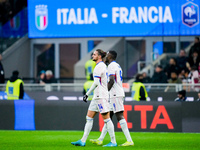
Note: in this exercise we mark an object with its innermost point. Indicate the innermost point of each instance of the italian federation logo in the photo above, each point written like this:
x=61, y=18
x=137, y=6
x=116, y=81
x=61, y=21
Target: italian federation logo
x=190, y=14
x=41, y=16
x=15, y=22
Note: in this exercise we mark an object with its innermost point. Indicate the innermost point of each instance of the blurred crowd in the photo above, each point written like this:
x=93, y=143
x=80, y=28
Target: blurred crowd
x=9, y=8
x=185, y=68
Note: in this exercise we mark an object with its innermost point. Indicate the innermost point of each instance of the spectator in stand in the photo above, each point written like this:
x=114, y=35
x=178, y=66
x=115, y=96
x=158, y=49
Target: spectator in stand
x=198, y=97
x=181, y=96
x=146, y=78
x=195, y=47
x=159, y=76
x=49, y=77
x=181, y=60
x=42, y=77
x=183, y=75
x=173, y=80
x=193, y=61
x=193, y=78
x=171, y=67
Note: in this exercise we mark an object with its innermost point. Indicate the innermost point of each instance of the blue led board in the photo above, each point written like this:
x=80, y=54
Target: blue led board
x=112, y=18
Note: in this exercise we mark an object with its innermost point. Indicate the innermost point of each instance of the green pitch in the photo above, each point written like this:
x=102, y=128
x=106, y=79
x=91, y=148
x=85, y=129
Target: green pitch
x=61, y=140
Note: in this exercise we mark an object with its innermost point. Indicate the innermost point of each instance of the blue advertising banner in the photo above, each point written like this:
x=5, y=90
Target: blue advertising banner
x=92, y=18
x=15, y=27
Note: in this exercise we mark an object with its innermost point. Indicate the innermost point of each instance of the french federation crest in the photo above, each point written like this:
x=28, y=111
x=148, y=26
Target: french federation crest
x=41, y=16
x=190, y=14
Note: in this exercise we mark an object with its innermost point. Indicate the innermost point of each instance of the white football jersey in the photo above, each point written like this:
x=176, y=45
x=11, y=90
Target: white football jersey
x=115, y=70
x=101, y=72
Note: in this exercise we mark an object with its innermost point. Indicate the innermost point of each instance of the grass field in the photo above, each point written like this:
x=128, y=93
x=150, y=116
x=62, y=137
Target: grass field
x=61, y=140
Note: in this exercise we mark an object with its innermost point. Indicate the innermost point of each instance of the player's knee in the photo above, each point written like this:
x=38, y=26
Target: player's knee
x=89, y=119
x=105, y=115
x=119, y=115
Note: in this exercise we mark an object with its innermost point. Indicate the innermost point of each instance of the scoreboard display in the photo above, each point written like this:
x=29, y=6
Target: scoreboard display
x=92, y=18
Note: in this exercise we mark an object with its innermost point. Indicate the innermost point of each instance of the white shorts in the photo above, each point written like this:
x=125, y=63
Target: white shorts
x=111, y=108
x=117, y=104
x=100, y=105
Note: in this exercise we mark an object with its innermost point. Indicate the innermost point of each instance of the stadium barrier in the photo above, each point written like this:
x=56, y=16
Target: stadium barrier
x=74, y=91
x=78, y=96
x=70, y=115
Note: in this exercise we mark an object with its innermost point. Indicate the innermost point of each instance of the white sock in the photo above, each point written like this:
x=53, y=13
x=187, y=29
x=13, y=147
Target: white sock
x=103, y=133
x=124, y=127
x=110, y=129
x=87, y=129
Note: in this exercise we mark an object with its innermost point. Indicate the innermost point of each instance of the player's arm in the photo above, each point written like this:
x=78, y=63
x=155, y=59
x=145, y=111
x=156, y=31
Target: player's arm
x=111, y=82
x=94, y=85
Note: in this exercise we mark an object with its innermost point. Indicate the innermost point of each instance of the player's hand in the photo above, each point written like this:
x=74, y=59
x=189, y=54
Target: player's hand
x=85, y=98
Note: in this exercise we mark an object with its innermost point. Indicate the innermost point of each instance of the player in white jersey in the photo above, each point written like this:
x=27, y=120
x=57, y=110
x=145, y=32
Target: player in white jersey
x=116, y=92
x=99, y=102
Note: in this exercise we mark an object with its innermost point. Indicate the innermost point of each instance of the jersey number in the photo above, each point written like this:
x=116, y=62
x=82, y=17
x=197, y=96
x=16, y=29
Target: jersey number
x=120, y=74
x=100, y=107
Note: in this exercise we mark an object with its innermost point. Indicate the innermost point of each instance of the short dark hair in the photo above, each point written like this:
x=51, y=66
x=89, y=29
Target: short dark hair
x=138, y=76
x=194, y=68
x=101, y=52
x=16, y=73
x=113, y=54
x=173, y=71
x=159, y=66
x=182, y=92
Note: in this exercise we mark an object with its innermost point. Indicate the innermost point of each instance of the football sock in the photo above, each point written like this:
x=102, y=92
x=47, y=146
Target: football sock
x=124, y=127
x=103, y=133
x=110, y=129
x=87, y=129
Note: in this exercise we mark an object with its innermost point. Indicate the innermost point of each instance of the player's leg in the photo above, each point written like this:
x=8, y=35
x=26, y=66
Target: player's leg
x=92, y=111
x=99, y=141
x=118, y=108
x=104, y=108
x=88, y=125
x=110, y=128
x=124, y=128
x=104, y=129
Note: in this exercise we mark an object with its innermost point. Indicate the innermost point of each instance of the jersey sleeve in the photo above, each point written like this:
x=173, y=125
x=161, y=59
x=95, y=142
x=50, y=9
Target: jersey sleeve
x=111, y=70
x=97, y=72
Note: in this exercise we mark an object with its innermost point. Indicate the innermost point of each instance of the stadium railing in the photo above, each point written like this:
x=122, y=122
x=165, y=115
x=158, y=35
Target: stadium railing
x=78, y=87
